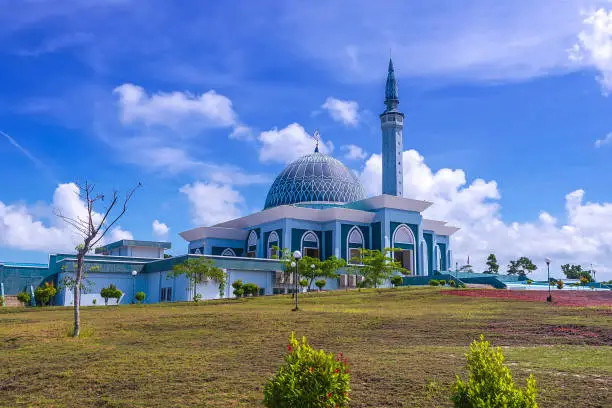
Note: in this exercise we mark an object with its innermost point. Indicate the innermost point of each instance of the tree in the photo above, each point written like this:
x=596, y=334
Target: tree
x=320, y=284
x=197, y=270
x=92, y=227
x=238, y=289
x=521, y=267
x=377, y=266
x=397, y=280
x=492, y=264
x=44, y=293
x=68, y=280
x=111, y=292
x=576, y=272
x=323, y=269
x=466, y=268
x=140, y=296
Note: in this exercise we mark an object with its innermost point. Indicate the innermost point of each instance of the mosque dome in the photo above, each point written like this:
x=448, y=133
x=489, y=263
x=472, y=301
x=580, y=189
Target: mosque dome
x=315, y=180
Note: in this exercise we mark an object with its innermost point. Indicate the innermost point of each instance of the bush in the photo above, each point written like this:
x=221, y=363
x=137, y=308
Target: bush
x=309, y=378
x=250, y=289
x=451, y=283
x=238, y=292
x=529, y=281
x=2, y=301
x=303, y=282
x=397, y=280
x=43, y=294
x=24, y=297
x=111, y=293
x=434, y=282
x=94, y=301
x=442, y=282
x=196, y=298
x=490, y=382
x=140, y=296
x=560, y=284
x=237, y=285
x=320, y=283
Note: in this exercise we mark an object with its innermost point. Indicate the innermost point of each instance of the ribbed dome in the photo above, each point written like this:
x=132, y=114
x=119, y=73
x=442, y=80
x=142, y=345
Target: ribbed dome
x=315, y=179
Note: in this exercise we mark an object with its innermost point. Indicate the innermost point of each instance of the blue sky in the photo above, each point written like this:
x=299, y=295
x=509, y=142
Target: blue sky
x=205, y=103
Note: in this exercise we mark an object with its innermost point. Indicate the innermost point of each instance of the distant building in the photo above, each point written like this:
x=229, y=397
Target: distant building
x=316, y=205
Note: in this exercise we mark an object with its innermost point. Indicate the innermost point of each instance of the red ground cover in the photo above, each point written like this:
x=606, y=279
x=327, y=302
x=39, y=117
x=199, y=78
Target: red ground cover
x=561, y=298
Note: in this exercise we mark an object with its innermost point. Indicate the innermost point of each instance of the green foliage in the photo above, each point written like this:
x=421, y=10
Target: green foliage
x=529, y=281
x=111, y=292
x=309, y=378
x=397, y=280
x=197, y=297
x=521, y=267
x=2, y=301
x=94, y=301
x=466, y=268
x=493, y=266
x=490, y=383
x=238, y=290
x=197, y=270
x=451, y=283
x=322, y=269
x=303, y=282
x=442, y=282
x=140, y=296
x=320, y=283
x=68, y=280
x=560, y=284
x=377, y=267
x=43, y=294
x=434, y=282
x=250, y=289
x=24, y=297
x=576, y=272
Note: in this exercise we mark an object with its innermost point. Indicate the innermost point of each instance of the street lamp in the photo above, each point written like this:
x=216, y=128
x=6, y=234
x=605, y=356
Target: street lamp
x=134, y=273
x=297, y=255
x=549, y=298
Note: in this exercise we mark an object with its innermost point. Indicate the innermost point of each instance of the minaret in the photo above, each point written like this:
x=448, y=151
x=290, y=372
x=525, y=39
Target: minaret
x=392, y=124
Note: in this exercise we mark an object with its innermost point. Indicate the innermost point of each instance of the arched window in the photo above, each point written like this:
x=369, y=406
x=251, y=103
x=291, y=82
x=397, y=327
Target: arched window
x=438, y=258
x=272, y=242
x=425, y=258
x=354, y=242
x=252, y=245
x=228, y=252
x=310, y=244
x=403, y=240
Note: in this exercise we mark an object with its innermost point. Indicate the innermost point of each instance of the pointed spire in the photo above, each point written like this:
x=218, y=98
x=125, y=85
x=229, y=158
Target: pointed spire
x=391, y=94
x=316, y=137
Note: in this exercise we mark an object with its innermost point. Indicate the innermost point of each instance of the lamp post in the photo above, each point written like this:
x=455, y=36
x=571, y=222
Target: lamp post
x=134, y=273
x=549, y=298
x=297, y=255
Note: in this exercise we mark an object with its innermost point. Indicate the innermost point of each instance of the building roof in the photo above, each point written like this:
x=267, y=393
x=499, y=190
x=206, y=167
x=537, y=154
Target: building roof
x=133, y=243
x=315, y=179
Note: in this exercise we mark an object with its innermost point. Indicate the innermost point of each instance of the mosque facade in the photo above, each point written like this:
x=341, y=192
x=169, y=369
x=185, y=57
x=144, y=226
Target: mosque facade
x=315, y=205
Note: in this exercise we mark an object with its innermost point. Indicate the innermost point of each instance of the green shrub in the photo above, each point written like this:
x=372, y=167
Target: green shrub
x=2, y=301
x=490, y=382
x=43, y=294
x=24, y=297
x=309, y=378
x=451, y=283
x=529, y=281
x=320, y=283
x=560, y=284
x=442, y=282
x=397, y=280
x=250, y=289
x=303, y=282
x=237, y=285
x=196, y=298
x=111, y=293
x=434, y=282
x=94, y=301
x=238, y=292
x=140, y=296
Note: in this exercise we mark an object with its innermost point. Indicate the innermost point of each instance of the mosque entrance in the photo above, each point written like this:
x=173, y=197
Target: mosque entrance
x=404, y=257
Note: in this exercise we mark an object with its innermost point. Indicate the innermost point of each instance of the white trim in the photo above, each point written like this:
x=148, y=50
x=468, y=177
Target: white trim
x=348, y=241
x=228, y=252
x=304, y=235
x=438, y=258
x=425, y=258
x=414, y=245
x=359, y=236
x=252, y=240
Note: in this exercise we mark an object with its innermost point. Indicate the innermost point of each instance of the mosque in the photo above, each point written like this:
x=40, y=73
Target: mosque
x=316, y=205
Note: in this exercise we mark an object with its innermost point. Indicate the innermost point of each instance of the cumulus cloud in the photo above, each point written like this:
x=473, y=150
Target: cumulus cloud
x=36, y=229
x=582, y=238
x=346, y=112
x=605, y=141
x=594, y=46
x=242, y=132
x=160, y=230
x=287, y=144
x=213, y=203
x=353, y=152
x=173, y=108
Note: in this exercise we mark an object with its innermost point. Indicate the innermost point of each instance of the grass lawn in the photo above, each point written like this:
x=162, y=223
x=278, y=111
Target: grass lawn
x=406, y=345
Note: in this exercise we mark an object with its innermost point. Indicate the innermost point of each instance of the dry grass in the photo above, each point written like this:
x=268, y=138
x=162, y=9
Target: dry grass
x=406, y=346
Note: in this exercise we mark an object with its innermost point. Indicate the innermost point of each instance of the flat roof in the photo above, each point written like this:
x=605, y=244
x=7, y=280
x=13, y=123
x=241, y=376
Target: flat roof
x=24, y=264
x=133, y=243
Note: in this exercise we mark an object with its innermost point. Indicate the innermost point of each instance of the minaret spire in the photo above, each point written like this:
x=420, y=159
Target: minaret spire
x=391, y=94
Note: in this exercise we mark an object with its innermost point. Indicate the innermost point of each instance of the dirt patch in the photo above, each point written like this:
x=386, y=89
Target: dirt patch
x=579, y=298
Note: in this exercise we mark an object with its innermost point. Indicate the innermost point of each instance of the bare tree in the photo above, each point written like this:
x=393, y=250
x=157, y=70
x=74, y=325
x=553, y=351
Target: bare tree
x=92, y=231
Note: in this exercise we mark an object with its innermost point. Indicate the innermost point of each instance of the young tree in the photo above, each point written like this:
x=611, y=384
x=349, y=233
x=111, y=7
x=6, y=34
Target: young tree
x=376, y=266
x=521, y=267
x=320, y=284
x=466, y=268
x=197, y=270
x=68, y=280
x=576, y=272
x=111, y=292
x=492, y=264
x=92, y=228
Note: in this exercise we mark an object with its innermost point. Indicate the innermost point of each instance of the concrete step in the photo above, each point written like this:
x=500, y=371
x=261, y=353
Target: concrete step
x=11, y=301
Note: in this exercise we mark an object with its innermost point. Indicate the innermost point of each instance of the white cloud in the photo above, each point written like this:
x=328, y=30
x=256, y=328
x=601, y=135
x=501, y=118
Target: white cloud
x=346, y=112
x=288, y=144
x=353, y=152
x=242, y=132
x=583, y=238
x=213, y=203
x=594, y=47
x=605, y=141
x=38, y=230
x=174, y=108
x=160, y=230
